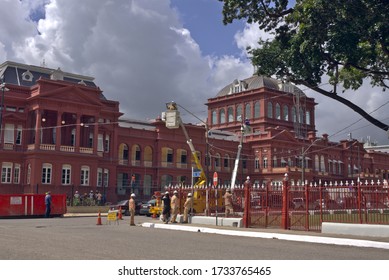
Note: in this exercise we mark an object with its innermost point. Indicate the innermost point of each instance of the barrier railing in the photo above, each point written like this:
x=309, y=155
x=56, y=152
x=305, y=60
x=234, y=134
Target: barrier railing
x=296, y=207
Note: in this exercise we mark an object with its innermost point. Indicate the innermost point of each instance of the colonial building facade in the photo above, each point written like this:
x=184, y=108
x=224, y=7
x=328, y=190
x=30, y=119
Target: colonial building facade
x=60, y=133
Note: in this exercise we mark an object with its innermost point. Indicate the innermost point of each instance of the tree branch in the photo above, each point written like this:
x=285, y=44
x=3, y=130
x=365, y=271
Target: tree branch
x=346, y=102
x=276, y=15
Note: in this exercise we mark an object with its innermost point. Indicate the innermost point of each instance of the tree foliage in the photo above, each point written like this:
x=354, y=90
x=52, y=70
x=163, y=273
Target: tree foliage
x=347, y=40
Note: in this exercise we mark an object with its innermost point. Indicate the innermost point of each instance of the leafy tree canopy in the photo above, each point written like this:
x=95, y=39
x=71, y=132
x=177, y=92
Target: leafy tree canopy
x=347, y=40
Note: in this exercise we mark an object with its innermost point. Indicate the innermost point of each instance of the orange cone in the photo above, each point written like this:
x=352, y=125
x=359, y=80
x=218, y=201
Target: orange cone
x=120, y=215
x=99, y=220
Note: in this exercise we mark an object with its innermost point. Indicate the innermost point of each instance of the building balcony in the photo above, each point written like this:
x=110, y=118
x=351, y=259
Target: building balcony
x=182, y=165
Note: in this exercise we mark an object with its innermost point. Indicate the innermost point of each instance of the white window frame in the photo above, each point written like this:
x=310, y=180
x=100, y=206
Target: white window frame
x=6, y=173
x=9, y=133
x=66, y=174
x=84, y=175
x=16, y=174
x=47, y=169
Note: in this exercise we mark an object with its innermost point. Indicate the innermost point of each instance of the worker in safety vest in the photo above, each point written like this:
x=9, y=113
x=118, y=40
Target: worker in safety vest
x=228, y=203
x=187, y=206
x=131, y=206
x=175, y=206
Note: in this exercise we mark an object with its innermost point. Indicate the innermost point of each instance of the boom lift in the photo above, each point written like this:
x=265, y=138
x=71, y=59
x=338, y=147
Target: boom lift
x=173, y=120
x=244, y=128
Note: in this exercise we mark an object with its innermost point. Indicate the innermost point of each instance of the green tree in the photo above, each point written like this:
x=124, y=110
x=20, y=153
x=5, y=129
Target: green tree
x=346, y=40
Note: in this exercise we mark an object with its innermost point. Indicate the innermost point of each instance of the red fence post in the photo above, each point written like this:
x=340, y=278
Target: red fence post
x=247, y=202
x=284, y=213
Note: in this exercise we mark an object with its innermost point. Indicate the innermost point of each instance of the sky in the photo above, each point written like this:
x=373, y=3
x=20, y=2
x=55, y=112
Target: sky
x=145, y=53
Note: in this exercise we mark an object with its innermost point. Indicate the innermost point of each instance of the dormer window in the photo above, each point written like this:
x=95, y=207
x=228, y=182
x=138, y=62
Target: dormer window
x=238, y=86
x=27, y=76
x=57, y=75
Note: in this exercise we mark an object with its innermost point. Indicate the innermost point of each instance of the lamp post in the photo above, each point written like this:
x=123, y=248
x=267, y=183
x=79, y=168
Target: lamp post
x=3, y=89
x=303, y=153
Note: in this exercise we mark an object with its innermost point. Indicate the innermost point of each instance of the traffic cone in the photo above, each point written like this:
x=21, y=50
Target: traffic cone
x=99, y=220
x=120, y=216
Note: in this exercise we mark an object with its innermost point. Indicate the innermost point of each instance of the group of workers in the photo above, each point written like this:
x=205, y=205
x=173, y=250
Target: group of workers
x=171, y=207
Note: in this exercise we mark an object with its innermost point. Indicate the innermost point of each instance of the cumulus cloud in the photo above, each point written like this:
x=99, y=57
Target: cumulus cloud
x=141, y=55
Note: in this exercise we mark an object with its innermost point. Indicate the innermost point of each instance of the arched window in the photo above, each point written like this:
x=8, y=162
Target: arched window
x=317, y=163
x=256, y=110
x=269, y=110
x=308, y=117
x=285, y=112
x=123, y=154
x=264, y=162
x=294, y=115
x=214, y=117
x=135, y=155
x=248, y=111
x=222, y=116
x=148, y=156
x=322, y=164
x=226, y=163
x=167, y=157
x=278, y=111
x=275, y=162
x=230, y=113
x=239, y=112
x=217, y=162
x=182, y=158
x=256, y=163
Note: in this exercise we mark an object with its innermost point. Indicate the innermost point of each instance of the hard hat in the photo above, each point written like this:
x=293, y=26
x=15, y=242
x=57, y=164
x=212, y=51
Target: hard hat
x=228, y=190
x=132, y=195
x=175, y=192
x=189, y=194
x=248, y=178
x=166, y=192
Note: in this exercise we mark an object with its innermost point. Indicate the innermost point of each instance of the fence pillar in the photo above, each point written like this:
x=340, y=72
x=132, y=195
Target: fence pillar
x=284, y=213
x=247, y=203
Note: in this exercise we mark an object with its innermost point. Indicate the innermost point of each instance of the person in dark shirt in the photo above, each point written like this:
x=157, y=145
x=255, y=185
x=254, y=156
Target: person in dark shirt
x=48, y=204
x=166, y=207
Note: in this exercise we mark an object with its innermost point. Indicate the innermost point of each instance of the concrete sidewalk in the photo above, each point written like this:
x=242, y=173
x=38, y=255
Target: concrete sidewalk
x=287, y=235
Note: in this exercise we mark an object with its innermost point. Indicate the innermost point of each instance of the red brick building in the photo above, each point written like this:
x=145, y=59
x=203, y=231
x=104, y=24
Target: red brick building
x=60, y=133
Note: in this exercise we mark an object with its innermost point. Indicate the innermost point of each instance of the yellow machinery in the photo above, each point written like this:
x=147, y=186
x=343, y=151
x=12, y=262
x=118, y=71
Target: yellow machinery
x=173, y=120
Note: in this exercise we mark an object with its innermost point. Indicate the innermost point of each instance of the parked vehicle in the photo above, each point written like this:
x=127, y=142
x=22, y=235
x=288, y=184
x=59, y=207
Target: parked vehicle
x=145, y=207
x=124, y=206
x=298, y=203
x=326, y=204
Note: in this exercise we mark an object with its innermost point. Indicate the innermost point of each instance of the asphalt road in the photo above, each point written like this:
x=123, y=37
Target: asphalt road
x=79, y=238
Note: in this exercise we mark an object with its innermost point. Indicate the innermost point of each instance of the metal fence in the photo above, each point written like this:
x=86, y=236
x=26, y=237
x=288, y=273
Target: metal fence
x=296, y=207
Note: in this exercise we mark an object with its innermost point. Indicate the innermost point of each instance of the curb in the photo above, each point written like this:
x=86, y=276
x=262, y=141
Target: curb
x=287, y=237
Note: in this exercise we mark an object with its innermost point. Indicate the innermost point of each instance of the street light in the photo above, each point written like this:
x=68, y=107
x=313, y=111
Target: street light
x=3, y=89
x=303, y=153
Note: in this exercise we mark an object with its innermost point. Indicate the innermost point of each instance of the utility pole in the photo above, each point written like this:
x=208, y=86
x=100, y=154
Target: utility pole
x=303, y=153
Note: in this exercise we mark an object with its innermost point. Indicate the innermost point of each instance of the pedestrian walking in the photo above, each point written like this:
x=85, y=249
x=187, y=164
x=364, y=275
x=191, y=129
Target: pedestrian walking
x=187, y=206
x=228, y=203
x=131, y=206
x=76, y=200
x=99, y=198
x=48, y=203
x=175, y=206
x=166, y=208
